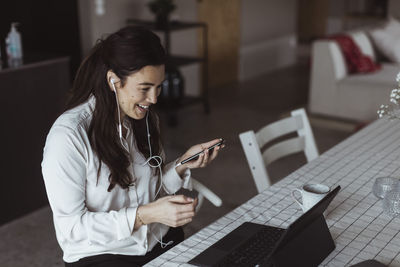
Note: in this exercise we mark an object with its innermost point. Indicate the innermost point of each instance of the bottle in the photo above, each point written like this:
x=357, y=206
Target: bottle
x=14, y=47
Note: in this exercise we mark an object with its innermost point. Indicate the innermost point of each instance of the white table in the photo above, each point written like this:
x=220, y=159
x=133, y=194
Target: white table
x=357, y=223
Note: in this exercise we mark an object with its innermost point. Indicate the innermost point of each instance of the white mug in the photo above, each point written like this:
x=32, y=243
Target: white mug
x=310, y=195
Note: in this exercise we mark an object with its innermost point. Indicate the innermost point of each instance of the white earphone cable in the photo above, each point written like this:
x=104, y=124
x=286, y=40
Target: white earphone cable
x=119, y=116
x=158, y=159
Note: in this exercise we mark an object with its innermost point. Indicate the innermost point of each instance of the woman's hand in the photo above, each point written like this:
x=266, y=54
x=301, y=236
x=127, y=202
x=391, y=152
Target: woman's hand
x=173, y=211
x=204, y=159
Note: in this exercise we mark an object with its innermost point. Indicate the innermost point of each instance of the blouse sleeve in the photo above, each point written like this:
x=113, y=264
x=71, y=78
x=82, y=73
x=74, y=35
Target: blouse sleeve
x=64, y=174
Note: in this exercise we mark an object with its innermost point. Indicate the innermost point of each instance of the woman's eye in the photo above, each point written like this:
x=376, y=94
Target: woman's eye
x=146, y=89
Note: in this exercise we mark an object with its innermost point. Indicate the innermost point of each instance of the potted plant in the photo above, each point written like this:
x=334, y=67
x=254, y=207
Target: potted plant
x=161, y=9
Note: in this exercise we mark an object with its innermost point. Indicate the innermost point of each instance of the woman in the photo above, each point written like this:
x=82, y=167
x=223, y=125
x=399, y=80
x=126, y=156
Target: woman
x=102, y=167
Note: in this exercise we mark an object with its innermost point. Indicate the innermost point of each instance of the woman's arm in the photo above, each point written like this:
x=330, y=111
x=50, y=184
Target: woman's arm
x=64, y=173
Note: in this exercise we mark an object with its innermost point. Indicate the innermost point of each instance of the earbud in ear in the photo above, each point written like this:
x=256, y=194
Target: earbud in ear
x=112, y=83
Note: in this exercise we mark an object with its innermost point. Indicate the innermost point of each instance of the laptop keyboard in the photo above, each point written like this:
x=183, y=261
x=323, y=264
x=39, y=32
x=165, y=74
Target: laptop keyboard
x=255, y=249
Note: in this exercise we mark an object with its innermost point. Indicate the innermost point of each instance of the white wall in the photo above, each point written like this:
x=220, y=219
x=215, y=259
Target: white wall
x=268, y=36
x=268, y=33
x=116, y=14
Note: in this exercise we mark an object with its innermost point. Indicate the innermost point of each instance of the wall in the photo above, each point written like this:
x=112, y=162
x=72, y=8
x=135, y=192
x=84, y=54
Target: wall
x=394, y=8
x=267, y=33
x=116, y=14
x=268, y=36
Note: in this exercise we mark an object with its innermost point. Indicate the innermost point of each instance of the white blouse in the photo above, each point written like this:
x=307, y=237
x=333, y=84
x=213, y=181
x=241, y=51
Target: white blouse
x=88, y=219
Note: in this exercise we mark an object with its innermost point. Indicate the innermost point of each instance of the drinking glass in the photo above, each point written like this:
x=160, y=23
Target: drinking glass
x=383, y=185
x=391, y=203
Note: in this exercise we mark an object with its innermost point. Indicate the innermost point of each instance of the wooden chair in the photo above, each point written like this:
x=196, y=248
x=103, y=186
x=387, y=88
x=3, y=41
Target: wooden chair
x=258, y=157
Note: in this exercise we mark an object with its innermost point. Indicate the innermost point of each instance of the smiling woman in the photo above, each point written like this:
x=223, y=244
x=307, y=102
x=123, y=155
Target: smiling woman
x=103, y=163
x=140, y=90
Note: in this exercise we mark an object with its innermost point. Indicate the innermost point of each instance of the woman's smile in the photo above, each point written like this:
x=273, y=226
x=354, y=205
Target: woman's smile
x=143, y=108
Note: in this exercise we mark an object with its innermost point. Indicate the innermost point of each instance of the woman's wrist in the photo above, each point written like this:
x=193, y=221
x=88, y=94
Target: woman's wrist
x=142, y=216
x=180, y=170
x=139, y=218
x=146, y=213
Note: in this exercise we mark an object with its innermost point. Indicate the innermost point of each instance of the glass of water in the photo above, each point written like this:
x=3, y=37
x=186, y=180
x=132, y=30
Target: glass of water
x=391, y=203
x=384, y=185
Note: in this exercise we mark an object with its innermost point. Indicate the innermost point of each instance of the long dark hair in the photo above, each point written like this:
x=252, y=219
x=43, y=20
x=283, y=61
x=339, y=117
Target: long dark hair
x=123, y=52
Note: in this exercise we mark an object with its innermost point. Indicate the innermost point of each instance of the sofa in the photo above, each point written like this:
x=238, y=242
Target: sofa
x=334, y=92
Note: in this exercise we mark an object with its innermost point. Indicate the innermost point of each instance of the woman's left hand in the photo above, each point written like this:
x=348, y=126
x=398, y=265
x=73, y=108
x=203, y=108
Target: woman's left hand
x=203, y=160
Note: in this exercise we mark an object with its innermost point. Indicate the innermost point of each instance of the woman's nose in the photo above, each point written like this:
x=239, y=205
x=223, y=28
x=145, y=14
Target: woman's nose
x=152, y=96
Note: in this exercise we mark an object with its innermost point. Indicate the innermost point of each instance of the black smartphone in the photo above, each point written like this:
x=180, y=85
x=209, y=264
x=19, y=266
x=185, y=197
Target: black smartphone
x=210, y=150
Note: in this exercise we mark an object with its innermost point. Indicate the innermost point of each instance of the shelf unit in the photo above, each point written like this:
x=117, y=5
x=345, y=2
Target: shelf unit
x=179, y=60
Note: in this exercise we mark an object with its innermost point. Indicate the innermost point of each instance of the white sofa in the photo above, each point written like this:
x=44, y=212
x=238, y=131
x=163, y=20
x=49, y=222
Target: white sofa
x=336, y=93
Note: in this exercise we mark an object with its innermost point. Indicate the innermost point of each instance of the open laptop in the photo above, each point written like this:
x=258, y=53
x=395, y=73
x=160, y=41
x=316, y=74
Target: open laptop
x=306, y=242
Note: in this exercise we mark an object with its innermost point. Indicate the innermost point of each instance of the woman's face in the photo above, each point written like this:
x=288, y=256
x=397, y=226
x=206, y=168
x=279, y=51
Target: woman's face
x=140, y=91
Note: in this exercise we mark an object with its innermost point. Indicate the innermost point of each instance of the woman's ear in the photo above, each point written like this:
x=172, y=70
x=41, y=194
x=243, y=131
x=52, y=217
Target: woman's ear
x=112, y=80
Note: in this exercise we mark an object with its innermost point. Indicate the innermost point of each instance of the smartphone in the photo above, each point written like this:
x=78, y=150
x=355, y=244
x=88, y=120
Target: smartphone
x=196, y=156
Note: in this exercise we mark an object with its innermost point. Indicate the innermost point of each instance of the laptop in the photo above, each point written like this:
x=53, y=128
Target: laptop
x=306, y=242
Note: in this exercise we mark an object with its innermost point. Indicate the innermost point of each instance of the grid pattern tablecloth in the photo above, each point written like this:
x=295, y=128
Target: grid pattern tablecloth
x=357, y=223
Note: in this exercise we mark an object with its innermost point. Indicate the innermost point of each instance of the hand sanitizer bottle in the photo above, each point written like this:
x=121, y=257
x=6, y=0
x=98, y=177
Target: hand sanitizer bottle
x=14, y=47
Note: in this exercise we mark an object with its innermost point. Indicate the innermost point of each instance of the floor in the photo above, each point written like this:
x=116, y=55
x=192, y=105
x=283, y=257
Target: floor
x=235, y=108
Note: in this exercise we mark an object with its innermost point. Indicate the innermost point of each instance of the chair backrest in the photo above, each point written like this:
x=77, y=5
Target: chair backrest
x=258, y=158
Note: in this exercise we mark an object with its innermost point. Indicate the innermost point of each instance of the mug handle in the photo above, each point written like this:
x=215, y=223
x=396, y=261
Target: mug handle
x=294, y=197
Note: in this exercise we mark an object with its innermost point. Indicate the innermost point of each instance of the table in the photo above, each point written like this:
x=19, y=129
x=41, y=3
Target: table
x=355, y=218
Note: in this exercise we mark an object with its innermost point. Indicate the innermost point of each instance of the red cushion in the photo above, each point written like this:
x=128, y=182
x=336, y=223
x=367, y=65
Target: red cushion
x=356, y=62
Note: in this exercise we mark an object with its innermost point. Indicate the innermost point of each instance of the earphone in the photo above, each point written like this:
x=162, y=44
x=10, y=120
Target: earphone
x=158, y=159
x=112, y=82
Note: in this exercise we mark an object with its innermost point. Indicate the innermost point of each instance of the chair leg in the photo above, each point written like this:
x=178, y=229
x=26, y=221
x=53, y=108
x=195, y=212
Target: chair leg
x=200, y=201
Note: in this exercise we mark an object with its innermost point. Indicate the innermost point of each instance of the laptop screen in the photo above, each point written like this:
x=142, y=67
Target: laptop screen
x=306, y=219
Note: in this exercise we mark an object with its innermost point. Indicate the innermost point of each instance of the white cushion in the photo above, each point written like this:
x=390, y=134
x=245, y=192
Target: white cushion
x=387, y=39
x=359, y=96
x=364, y=43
